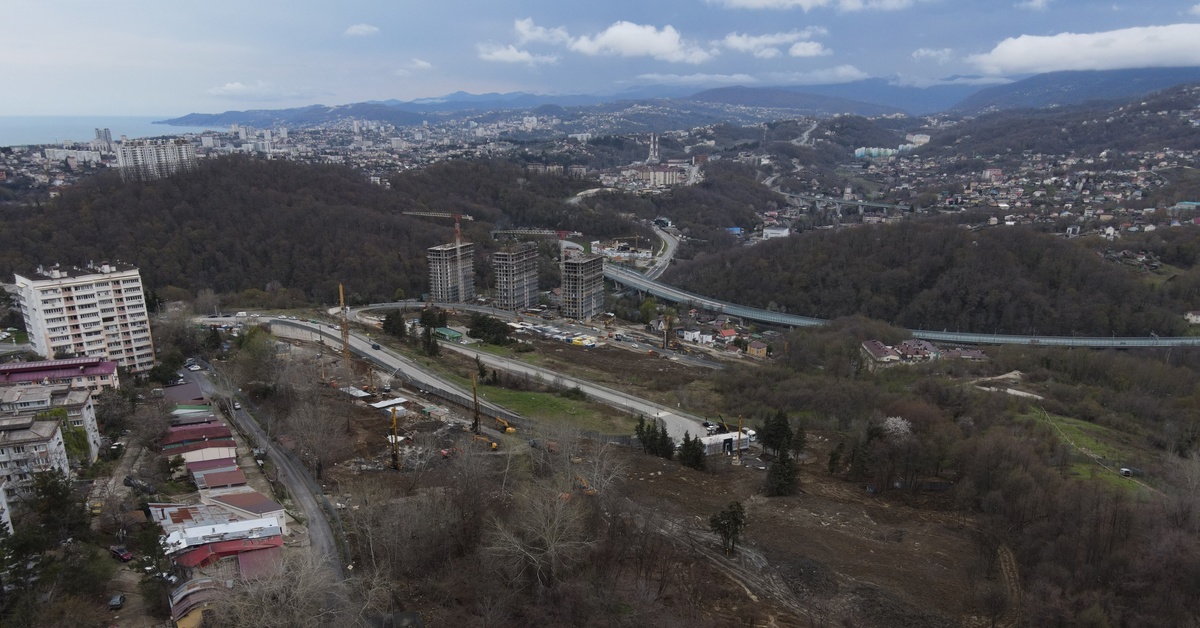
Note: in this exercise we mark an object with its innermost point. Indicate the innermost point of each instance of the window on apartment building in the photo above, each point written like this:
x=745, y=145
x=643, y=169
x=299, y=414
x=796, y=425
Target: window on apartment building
x=19, y=449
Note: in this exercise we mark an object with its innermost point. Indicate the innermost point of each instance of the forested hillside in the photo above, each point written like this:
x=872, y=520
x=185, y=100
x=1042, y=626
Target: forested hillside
x=938, y=276
x=1150, y=123
x=280, y=233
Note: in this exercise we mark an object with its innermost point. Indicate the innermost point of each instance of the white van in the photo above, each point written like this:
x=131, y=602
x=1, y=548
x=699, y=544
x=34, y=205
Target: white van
x=240, y=315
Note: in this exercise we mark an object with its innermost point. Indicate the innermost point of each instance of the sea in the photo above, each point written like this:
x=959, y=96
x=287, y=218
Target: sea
x=37, y=130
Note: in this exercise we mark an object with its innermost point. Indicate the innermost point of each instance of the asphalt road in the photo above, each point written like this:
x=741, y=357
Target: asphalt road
x=292, y=474
x=676, y=421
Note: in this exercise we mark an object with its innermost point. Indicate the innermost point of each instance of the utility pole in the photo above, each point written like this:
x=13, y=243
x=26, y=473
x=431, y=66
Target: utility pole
x=345, y=331
x=737, y=454
x=395, y=443
x=475, y=393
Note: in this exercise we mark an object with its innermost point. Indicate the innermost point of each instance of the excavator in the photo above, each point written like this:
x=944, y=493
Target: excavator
x=583, y=485
x=489, y=443
x=507, y=427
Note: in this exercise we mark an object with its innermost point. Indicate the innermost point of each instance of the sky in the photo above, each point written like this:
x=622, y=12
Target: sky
x=150, y=57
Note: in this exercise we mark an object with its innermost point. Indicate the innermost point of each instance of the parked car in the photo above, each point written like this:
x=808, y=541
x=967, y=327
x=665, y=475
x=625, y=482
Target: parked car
x=120, y=553
x=375, y=345
x=140, y=485
x=237, y=405
x=116, y=602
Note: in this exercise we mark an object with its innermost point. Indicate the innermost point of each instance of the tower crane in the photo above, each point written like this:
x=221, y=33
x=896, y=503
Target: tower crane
x=458, y=265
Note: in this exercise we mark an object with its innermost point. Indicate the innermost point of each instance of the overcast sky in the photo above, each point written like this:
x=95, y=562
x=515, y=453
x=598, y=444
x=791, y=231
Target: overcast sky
x=156, y=57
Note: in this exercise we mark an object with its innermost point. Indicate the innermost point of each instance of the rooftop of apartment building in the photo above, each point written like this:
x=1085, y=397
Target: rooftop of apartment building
x=40, y=397
x=42, y=370
x=44, y=273
x=24, y=429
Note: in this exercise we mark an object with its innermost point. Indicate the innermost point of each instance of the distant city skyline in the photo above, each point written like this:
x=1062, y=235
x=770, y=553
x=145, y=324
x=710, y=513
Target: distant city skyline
x=151, y=58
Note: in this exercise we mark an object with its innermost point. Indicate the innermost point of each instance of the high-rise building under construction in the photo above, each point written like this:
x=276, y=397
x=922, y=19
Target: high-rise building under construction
x=582, y=286
x=516, y=276
x=452, y=273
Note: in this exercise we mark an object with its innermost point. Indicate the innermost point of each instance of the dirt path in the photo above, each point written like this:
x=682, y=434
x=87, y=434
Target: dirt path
x=1010, y=577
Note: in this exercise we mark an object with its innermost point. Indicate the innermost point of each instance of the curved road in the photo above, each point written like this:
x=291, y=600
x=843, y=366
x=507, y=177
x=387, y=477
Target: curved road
x=637, y=280
x=300, y=485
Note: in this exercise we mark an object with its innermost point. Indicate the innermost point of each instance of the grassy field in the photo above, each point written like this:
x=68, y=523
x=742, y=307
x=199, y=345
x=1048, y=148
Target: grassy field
x=1114, y=447
x=545, y=407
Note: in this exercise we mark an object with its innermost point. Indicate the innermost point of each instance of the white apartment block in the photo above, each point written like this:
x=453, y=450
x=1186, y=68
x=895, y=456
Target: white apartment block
x=452, y=273
x=29, y=446
x=33, y=401
x=5, y=515
x=94, y=311
x=154, y=159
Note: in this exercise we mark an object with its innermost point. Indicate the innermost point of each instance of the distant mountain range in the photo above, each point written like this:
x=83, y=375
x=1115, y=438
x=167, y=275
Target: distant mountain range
x=870, y=97
x=1057, y=89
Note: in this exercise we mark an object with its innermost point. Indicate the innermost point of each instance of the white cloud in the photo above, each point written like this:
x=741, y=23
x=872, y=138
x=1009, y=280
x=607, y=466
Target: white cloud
x=1146, y=46
x=627, y=39
x=808, y=49
x=1035, y=5
x=941, y=56
x=699, y=79
x=526, y=32
x=510, y=54
x=808, y=5
x=917, y=81
x=413, y=66
x=837, y=74
x=766, y=46
x=258, y=91
x=1195, y=10
x=361, y=30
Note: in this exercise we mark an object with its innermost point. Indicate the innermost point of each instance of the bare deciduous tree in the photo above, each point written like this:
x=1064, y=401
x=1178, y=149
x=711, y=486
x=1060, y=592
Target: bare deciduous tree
x=545, y=536
x=302, y=593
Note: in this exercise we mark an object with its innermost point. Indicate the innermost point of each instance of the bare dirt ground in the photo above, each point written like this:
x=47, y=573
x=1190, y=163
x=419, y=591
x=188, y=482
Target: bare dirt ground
x=828, y=553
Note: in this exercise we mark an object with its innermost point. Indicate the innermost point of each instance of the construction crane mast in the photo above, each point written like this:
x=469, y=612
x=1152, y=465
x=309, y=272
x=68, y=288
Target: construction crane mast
x=345, y=330
x=460, y=275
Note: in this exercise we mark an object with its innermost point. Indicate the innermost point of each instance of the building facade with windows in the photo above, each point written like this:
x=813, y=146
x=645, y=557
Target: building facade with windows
x=92, y=372
x=146, y=160
x=29, y=446
x=516, y=276
x=582, y=286
x=452, y=273
x=97, y=311
x=34, y=401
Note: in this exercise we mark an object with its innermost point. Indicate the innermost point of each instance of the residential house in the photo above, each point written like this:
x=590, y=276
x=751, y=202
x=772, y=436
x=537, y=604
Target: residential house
x=757, y=349
x=879, y=354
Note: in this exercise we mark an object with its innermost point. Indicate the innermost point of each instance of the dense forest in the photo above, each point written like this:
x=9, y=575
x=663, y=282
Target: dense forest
x=279, y=234
x=937, y=276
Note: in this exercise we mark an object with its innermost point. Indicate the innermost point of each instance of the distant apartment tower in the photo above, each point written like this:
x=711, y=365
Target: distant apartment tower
x=91, y=311
x=582, y=286
x=154, y=159
x=104, y=140
x=516, y=276
x=452, y=273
